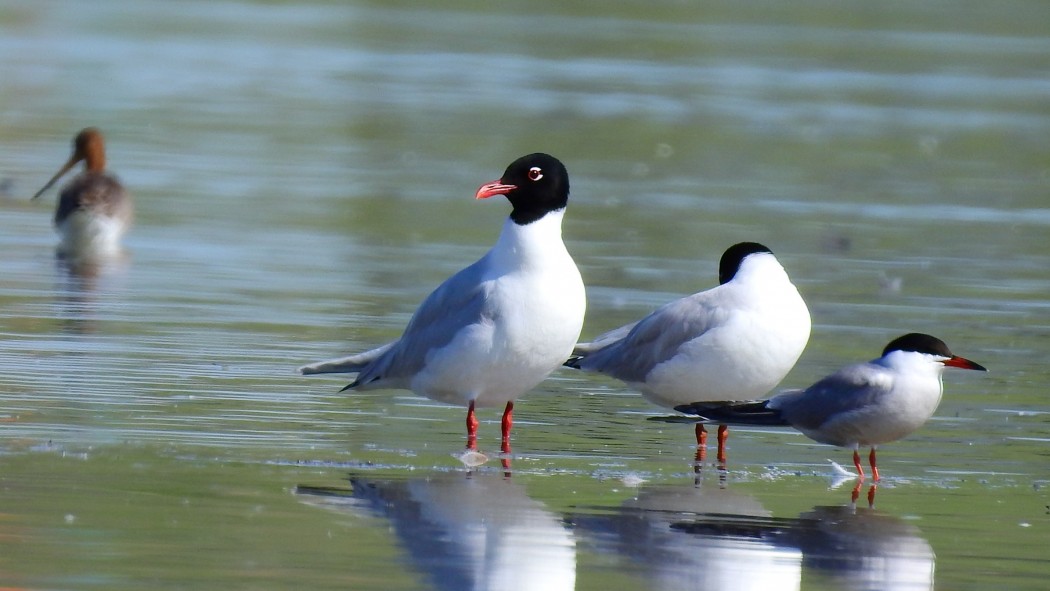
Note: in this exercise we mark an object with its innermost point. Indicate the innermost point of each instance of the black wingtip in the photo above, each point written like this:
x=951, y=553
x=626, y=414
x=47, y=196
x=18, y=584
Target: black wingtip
x=573, y=362
x=349, y=386
x=738, y=413
x=678, y=419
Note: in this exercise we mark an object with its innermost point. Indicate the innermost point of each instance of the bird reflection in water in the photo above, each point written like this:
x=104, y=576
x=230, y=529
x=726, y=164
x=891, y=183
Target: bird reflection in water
x=688, y=537
x=470, y=531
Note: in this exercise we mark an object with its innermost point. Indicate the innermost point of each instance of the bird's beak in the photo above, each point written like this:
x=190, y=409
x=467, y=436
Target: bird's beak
x=65, y=168
x=963, y=363
x=494, y=188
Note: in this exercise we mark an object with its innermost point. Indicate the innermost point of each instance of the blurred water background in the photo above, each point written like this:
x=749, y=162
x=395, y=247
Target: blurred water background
x=304, y=173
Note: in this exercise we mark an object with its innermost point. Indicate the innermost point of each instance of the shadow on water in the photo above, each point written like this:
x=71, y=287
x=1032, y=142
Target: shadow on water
x=470, y=530
x=700, y=537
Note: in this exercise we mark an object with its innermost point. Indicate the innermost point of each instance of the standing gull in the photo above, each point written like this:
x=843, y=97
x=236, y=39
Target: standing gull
x=731, y=342
x=496, y=329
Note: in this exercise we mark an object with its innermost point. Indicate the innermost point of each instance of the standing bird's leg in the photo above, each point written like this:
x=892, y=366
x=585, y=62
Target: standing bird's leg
x=701, y=435
x=856, y=462
x=723, y=435
x=701, y=447
x=507, y=423
x=505, y=426
x=874, y=468
x=472, y=427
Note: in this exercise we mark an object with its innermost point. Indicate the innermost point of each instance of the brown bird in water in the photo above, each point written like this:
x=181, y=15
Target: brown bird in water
x=94, y=211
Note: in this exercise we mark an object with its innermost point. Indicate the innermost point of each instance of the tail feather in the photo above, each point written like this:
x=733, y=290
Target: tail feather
x=351, y=364
x=343, y=365
x=735, y=413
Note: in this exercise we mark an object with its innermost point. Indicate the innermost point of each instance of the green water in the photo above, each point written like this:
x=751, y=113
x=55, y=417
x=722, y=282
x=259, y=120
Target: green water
x=303, y=175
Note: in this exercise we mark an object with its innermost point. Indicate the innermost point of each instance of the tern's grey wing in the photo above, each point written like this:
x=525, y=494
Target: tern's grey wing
x=655, y=338
x=458, y=303
x=851, y=389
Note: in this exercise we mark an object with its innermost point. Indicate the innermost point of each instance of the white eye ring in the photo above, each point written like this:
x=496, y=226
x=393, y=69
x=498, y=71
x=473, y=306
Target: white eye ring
x=535, y=173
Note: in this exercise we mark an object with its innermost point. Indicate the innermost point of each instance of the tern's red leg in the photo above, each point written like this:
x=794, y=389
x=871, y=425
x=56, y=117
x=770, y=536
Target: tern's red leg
x=472, y=427
x=874, y=468
x=723, y=435
x=856, y=462
x=855, y=493
x=507, y=423
x=871, y=496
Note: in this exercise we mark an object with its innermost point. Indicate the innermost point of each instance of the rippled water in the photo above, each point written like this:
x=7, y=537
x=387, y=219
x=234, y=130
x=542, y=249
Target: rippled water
x=303, y=176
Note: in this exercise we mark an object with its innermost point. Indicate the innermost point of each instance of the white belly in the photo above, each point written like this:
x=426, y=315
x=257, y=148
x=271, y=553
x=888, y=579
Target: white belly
x=494, y=362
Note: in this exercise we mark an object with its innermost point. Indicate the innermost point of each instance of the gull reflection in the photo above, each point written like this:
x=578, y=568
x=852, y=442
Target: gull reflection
x=470, y=531
x=690, y=537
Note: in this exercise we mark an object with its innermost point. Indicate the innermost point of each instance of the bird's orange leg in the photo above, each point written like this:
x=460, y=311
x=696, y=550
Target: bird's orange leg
x=701, y=446
x=723, y=435
x=507, y=423
x=856, y=463
x=874, y=468
x=701, y=435
x=472, y=427
x=505, y=426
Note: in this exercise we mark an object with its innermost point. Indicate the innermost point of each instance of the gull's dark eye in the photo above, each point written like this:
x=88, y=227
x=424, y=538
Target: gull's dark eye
x=535, y=173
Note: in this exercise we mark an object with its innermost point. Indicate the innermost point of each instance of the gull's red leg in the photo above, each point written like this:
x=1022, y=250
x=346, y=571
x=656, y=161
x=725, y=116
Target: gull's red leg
x=505, y=426
x=701, y=447
x=507, y=423
x=874, y=468
x=472, y=427
x=856, y=462
x=701, y=435
x=723, y=435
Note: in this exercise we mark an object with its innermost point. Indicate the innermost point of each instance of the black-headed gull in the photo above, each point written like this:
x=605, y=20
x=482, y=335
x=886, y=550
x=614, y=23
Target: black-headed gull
x=496, y=329
x=94, y=211
x=865, y=404
x=731, y=342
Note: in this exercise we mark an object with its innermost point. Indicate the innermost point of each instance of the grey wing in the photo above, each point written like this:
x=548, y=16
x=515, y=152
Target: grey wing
x=653, y=340
x=851, y=389
x=458, y=303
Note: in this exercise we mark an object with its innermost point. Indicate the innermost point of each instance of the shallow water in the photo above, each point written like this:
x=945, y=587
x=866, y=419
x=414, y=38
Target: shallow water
x=303, y=177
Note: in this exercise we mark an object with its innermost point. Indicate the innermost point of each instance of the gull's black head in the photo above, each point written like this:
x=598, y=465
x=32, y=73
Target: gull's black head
x=733, y=256
x=535, y=185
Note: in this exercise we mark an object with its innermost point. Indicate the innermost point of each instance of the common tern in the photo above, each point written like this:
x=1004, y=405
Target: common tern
x=866, y=404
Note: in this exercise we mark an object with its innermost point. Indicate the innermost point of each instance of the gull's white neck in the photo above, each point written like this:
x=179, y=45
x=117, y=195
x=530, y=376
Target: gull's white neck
x=761, y=268
x=531, y=243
